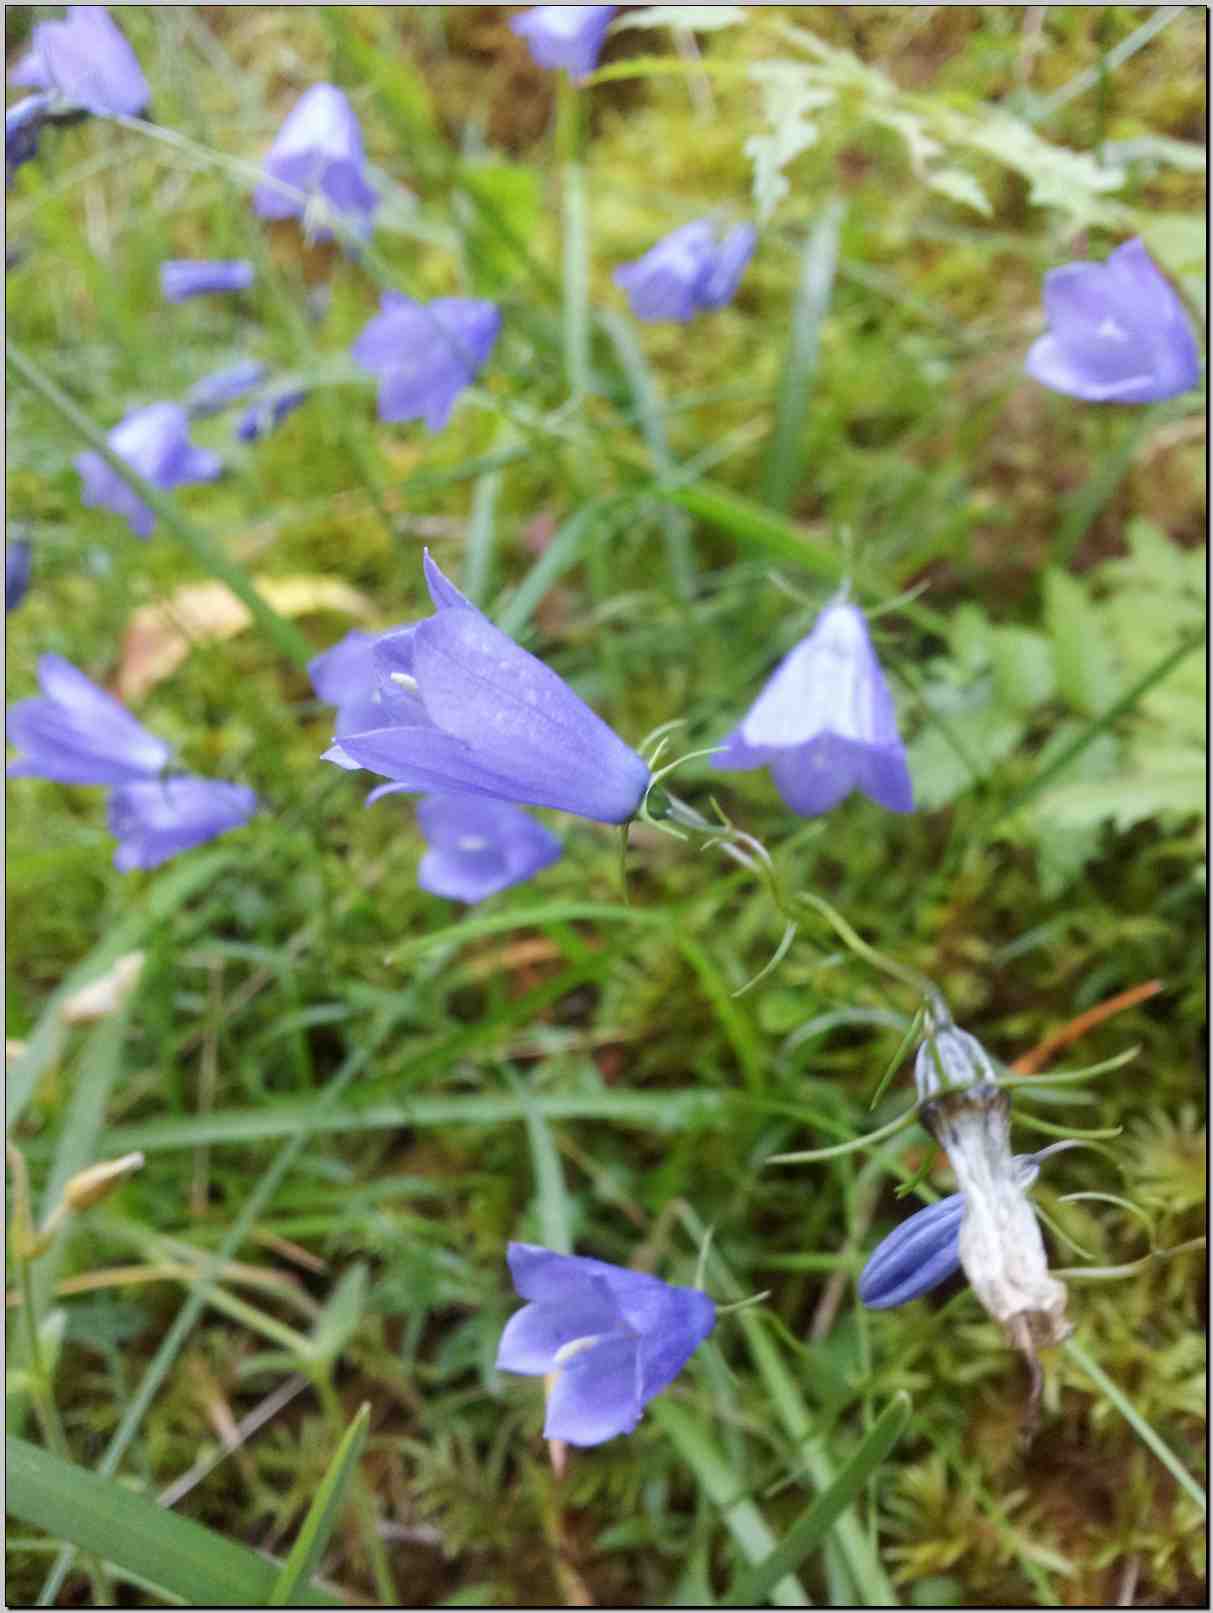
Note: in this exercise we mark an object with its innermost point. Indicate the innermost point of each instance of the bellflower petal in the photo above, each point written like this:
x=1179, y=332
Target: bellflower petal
x=155, y=442
x=85, y=61
x=194, y=277
x=268, y=413
x=688, y=272
x=77, y=734
x=318, y=151
x=22, y=127
x=18, y=557
x=424, y=354
x=214, y=392
x=564, y=36
x=478, y=847
x=825, y=723
x=1118, y=332
x=483, y=717
x=157, y=818
x=613, y=1338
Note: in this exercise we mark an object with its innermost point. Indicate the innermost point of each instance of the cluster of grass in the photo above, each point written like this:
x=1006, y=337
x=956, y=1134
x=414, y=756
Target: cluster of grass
x=353, y=1094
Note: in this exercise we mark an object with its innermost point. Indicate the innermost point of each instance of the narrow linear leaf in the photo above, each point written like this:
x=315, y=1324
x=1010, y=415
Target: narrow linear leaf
x=756, y=527
x=292, y=1582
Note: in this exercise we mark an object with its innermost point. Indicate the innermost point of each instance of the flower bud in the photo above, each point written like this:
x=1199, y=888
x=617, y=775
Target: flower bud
x=90, y=1186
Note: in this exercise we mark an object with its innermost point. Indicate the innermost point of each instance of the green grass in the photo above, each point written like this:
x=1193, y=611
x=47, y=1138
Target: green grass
x=328, y=1068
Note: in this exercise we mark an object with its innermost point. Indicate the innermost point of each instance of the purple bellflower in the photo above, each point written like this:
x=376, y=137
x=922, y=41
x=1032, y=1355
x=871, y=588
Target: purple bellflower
x=22, y=127
x=924, y=1250
x=154, y=819
x=825, y=722
x=268, y=413
x=466, y=711
x=318, y=151
x=85, y=62
x=688, y=272
x=347, y=676
x=478, y=847
x=214, y=392
x=426, y=353
x=195, y=277
x=564, y=36
x=155, y=442
x=77, y=734
x=613, y=1338
x=1118, y=333
x=17, y=560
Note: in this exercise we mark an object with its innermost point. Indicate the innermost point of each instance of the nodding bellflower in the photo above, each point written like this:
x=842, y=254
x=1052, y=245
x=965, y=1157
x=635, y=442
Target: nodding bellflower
x=1118, y=333
x=18, y=559
x=214, y=392
x=268, y=413
x=688, y=272
x=75, y=733
x=613, y=1338
x=564, y=36
x=318, y=151
x=23, y=124
x=477, y=847
x=458, y=708
x=825, y=723
x=426, y=353
x=181, y=278
x=154, y=441
x=154, y=819
x=85, y=62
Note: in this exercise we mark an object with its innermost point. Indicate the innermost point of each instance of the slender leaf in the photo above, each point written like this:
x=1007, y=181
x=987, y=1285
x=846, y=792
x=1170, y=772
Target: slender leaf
x=292, y=1582
x=756, y=527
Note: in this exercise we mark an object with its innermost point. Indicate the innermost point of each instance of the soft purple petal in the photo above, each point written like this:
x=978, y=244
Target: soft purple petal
x=345, y=671
x=155, y=442
x=917, y=1256
x=22, y=130
x=215, y=392
x=596, y=1394
x=18, y=556
x=318, y=151
x=665, y=1348
x=442, y=590
x=564, y=36
x=194, y=277
x=534, y=1335
x=268, y=413
x=86, y=61
x=478, y=847
x=425, y=354
x=75, y=733
x=732, y=255
x=664, y=284
x=156, y=819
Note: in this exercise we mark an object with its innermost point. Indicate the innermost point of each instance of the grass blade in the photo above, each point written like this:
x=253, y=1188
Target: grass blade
x=815, y=1523
x=322, y=1515
x=756, y=527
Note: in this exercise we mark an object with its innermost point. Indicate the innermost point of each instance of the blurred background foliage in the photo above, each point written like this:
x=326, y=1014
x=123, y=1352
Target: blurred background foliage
x=554, y=1057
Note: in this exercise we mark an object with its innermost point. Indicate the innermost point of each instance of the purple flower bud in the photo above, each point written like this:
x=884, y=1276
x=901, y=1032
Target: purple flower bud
x=1117, y=333
x=614, y=1338
x=22, y=127
x=77, y=734
x=318, y=151
x=949, y=1057
x=825, y=722
x=688, y=272
x=85, y=61
x=478, y=847
x=214, y=392
x=156, y=818
x=194, y=277
x=564, y=36
x=924, y=1250
x=17, y=559
x=466, y=711
x=426, y=353
x=155, y=442
x=268, y=413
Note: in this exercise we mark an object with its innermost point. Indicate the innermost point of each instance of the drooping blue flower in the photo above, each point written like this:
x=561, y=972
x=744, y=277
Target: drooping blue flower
x=1118, y=333
x=688, y=272
x=214, y=392
x=564, y=36
x=154, y=441
x=825, y=723
x=467, y=711
x=478, y=847
x=23, y=124
x=18, y=556
x=85, y=62
x=268, y=413
x=77, y=734
x=318, y=151
x=155, y=819
x=924, y=1250
x=181, y=278
x=613, y=1338
x=426, y=353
